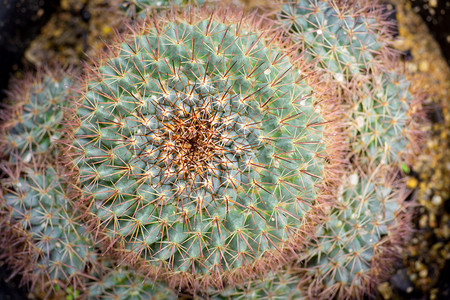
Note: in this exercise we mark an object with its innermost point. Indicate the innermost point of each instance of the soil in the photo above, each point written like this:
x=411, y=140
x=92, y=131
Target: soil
x=426, y=271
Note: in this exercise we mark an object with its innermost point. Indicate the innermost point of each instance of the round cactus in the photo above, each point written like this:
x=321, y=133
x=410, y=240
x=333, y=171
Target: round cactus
x=382, y=119
x=32, y=121
x=358, y=244
x=279, y=285
x=347, y=41
x=202, y=147
x=125, y=284
x=54, y=249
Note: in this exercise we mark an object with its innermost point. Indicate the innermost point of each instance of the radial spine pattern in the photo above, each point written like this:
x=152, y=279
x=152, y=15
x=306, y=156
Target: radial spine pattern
x=32, y=121
x=52, y=248
x=201, y=146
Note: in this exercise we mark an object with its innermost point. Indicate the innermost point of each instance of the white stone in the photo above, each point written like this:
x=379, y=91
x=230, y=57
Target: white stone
x=436, y=200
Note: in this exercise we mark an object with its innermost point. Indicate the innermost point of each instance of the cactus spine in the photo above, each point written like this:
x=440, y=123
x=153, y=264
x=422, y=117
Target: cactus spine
x=32, y=118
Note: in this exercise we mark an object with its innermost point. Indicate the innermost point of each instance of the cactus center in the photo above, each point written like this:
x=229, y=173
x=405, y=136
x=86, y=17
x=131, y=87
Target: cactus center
x=193, y=141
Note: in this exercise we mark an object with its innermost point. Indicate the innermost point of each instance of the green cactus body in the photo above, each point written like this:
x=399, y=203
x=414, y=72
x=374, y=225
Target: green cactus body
x=56, y=248
x=32, y=123
x=275, y=286
x=124, y=284
x=380, y=120
x=355, y=246
x=201, y=147
x=344, y=42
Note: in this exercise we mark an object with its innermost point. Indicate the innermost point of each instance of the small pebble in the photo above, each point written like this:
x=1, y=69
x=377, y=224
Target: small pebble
x=385, y=290
x=432, y=222
x=436, y=200
x=412, y=182
x=423, y=273
x=423, y=221
x=400, y=281
x=424, y=66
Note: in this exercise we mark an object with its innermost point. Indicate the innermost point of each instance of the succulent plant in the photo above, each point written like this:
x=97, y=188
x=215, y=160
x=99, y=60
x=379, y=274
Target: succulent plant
x=382, y=119
x=42, y=235
x=31, y=121
x=51, y=247
x=121, y=283
x=357, y=245
x=200, y=147
x=220, y=154
x=348, y=41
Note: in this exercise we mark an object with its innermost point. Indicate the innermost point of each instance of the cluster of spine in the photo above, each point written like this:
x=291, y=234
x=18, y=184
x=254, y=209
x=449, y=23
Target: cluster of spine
x=348, y=42
x=42, y=234
x=52, y=248
x=209, y=157
x=122, y=283
x=31, y=120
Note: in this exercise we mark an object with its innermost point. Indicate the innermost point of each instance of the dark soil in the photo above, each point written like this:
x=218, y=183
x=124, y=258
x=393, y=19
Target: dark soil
x=436, y=14
x=20, y=23
x=11, y=289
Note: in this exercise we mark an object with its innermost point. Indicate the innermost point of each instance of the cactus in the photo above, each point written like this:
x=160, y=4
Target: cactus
x=279, y=285
x=200, y=148
x=348, y=41
x=124, y=284
x=381, y=120
x=30, y=124
x=49, y=246
x=357, y=245
x=52, y=248
x=210, y=154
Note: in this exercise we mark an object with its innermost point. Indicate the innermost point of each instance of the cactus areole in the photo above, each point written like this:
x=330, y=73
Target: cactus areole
x=201, y=146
